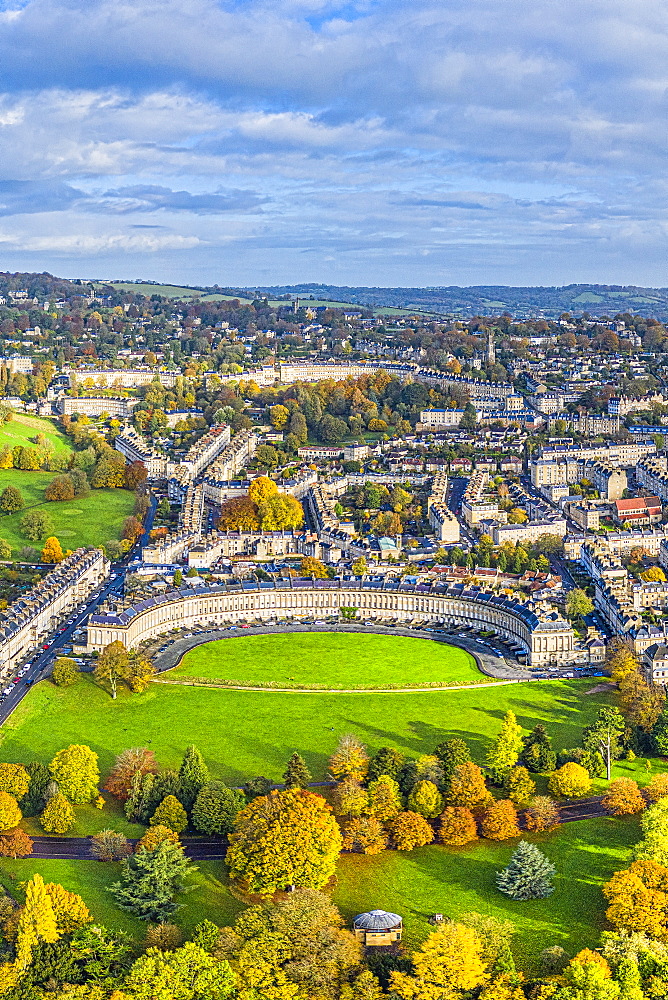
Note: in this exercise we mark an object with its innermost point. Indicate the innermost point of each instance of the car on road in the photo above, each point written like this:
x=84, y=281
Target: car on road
x=46, y=646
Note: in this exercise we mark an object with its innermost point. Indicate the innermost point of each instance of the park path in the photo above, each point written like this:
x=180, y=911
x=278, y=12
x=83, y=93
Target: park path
x=215, y=848
x=273, y=690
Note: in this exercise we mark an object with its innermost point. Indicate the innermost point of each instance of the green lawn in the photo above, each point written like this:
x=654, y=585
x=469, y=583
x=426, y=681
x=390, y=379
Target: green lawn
x=243, y=733
x=452, y=881
x=21, y=428
x=89, y=520
x=210, y=896
x=335, y=659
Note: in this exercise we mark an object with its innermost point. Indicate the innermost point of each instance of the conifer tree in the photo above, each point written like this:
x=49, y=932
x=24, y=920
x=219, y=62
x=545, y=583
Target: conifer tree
x=170, y=813
x=529, y=874
x=297, y=774
x=193, y=775
x=150, y=881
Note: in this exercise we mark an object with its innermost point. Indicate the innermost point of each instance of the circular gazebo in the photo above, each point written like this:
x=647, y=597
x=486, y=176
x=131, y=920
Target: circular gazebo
x=378, y=927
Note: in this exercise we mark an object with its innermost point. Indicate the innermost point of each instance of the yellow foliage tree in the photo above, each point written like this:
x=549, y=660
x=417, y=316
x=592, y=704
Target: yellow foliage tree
x=638, y=898
x=36, y=923
x=467, y=787
x=70, y=911
x=448, y=964
x=14, y=779
x=52, y=551
x=261, y=489
x=349, y=760
x=571, y=781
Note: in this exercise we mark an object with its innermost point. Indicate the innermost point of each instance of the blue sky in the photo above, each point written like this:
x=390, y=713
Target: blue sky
x=373, y=142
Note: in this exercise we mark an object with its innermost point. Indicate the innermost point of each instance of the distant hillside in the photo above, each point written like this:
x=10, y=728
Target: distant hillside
x=599, y=300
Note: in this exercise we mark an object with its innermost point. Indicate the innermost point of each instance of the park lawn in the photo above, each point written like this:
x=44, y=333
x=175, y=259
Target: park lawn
x=335, y=659
x=21, y=428
x=244, y=733
x=89, y=820
x=453, y=881
x=89, y=520
x=210, y=896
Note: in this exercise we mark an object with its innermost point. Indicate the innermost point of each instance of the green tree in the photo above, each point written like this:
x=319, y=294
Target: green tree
x=654, y=844
x=150, y=881
x=76, y=771
x=193, y=775
x=537, y=753
x=604, y=736
x=505, y=751
x=518, y=786
x=35, y=525
x=529, y=874
x=188, y=973
x=297, y=774
x=451, y=753
x=386, y=761
x=170, y=813
x=284, y=838
x=178, y=578
x=65, y=672
x=216, y=808
x=578, y=604
x=11, y=500
x=57, y=815
x=360, y=567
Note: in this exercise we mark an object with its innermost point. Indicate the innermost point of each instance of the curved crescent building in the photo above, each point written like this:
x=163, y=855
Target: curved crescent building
x=538, y=632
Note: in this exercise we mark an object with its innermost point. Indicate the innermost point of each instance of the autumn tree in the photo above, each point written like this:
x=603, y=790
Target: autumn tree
x=451, y=753
x=186, y=973
x=425, y=799
x=384, y=798
x=15, y=843
x=638, y=899
x=297, y=774
x=11, y=500
x=518, y=786
x=410, y=830
x=65, y=672
x=136, y=760
x=285, y=838
x=37, y=922
x=132, y=528
x=656, y=788
x=238, y=514
x=310, y=566
x=135, y=475
x=170, y=813
x=505, y=751
x=467, y=787
x=57, y=815
x=349, y=760
x=623, y=798
x=541, y=814
x=111, y=665
x=52, y=551
x=457, y=826
x=139, y=672
x=448, y=963
x=499, y=821
x=156, y=835
x=76, y=771
x=364, y=835
x=570, y=781
x=60, y=488
x=10, y=814
x=349, y=798
x=529, y=874
x=15, y=780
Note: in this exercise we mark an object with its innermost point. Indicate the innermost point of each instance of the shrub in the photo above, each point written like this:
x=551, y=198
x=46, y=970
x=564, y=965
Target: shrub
x=410, y=830
x=657, y=788
x=623, y=798
x=15, y=843
x=457, y=826
x=541, y=814
x=499, y=821
x=571, y=781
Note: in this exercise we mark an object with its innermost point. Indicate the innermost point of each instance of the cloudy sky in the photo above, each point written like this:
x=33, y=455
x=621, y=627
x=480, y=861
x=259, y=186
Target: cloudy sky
x=384, y=142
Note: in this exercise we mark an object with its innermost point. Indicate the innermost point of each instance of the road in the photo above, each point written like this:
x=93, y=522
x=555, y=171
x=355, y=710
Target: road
x=51, y=648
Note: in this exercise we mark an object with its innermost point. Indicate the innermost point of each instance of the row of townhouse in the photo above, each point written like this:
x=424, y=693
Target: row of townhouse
x=477, y=504
x=191, y=515
x=529, y=532
x=124, y=378
x=136, y=448
x=621, y=405
x=619, y=543
x=236, y=455
x=441, y=518
x=562, y=464
x=94, y=406
x=206, y=450
x=652, y=474
x=588, y=424
x=26, y=622
x=251, y=545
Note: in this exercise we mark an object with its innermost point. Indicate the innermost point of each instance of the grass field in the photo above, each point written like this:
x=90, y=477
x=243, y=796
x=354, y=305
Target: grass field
x=336, y=659
x=89, y=520
x=21, y=428
x=453, y=881
x=210, y=896
x=245, y=733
